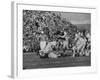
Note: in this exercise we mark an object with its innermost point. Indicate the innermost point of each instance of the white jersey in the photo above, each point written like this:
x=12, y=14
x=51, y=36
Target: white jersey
x=80, y=43
x=65, y=43
x=42, y=45
x=48, y=46
x=89, y=37
x=53, y=43
x=52, y=55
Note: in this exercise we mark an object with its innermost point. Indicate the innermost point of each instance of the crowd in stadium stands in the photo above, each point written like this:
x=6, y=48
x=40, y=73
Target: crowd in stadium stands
x=59, y=39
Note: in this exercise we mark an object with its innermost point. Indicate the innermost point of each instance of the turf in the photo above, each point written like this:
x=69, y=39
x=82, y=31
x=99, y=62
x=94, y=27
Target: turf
x=32, y=61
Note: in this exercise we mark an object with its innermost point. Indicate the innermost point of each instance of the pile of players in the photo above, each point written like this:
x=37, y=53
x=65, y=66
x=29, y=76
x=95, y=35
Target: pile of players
x=60, y=46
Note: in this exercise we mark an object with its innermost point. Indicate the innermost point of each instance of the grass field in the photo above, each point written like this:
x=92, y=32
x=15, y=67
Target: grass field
x=32, y=61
